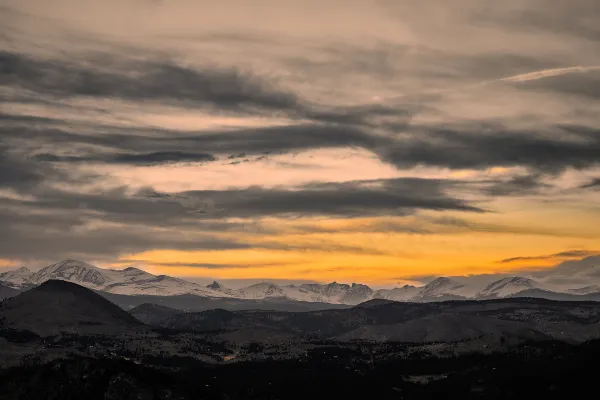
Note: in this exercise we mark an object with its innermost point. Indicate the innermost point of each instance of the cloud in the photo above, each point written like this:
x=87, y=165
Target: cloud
x=16, y=174
x=480, y=146
x=52, y=222
x=155, y=158
x=148, y=80
x=564, y=254
x=348, y=199
x=469, y=145
x=549, y=73
x=593, y=184
x=519, y=185
x=572, y=273
x=162, y=81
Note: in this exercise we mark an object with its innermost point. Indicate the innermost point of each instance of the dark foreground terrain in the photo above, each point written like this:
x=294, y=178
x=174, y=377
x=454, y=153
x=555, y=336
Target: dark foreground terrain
x=530, y=371
x=62, y=341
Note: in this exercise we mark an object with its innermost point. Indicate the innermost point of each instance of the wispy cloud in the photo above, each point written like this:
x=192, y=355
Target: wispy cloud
x=563, y=254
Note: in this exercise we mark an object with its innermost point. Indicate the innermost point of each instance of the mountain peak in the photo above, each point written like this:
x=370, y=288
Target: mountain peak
x=441, y=282
x=133, y=269
x=70, y=263
x=215, y=286
x=507, y=286
x=17, y=278
x=440, y=287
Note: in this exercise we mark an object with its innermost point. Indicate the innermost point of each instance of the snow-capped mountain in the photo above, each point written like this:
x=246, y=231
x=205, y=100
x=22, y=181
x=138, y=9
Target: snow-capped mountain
x=507, y=286
x=130, y=281
x=443, y=288
x=134, y=281
x=17, y=279
x=259, y=291
x=338, y=293
x=404, y=293
x=220, y=288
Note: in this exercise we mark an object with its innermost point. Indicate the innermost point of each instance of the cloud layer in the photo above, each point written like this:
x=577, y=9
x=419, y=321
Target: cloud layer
x=185, y=126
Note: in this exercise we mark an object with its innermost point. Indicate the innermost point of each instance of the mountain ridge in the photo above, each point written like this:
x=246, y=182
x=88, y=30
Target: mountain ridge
x=133, y=281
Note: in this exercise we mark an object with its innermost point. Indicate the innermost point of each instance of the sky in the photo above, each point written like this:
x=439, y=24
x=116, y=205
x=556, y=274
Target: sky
x=380, y=142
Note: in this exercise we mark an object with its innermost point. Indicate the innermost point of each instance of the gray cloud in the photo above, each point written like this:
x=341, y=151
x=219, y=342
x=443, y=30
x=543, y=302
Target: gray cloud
x=141, y=80
x=593, y=184
x=582, y=272
x=518, y=185
x=30, y=242
x=164, y=82
x=357, y=198
x=17, y=174
x=155, y=158
x=53, y=222
x=479, y=146
x=564, y=254
x=469, y=145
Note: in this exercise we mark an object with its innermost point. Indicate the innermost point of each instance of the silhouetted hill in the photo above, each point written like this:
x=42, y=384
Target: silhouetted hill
x=152, y=314
x=60, y=306
x=446, y=328
x=7, y=291
x=526, y=318
x=374, y=302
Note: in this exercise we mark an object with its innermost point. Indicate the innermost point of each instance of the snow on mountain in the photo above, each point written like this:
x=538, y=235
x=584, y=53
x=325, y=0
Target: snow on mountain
x=443, y=287
x=404, y=293
x=334, y=293
x=338, y=293
x=259, y=291
x=585, y=290
x=16, y=279
x=220, y=288
x=507, y=286
x=134, y=281
x=130, y=281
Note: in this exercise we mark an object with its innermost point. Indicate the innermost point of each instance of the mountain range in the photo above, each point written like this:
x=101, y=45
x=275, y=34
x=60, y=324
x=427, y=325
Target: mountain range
x=136, y=282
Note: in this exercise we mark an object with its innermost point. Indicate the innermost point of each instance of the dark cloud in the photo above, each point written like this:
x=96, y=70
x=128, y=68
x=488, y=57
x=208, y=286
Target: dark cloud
x=135, y=79
x=468, y=146
x=155, y=158
x=53, y=222
x=593, y=184
x=357, y=198
x=481, y=146
x=564, y=254
x=17, y=174
x=189, y=265
x=105, y=76
x=46, y=243
x=520, y=185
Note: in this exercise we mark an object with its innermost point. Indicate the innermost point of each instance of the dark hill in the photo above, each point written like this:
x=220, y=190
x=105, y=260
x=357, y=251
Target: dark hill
x=59, y=306
x=525, y=318
x=152, y=314
x=7, y=291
